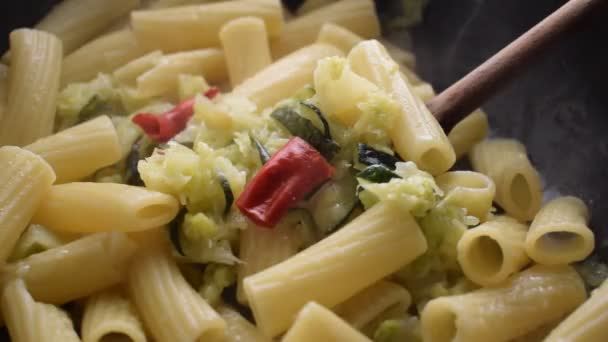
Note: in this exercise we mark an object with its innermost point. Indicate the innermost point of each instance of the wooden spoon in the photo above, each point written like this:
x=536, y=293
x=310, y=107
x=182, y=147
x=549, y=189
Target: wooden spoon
x=470, y=92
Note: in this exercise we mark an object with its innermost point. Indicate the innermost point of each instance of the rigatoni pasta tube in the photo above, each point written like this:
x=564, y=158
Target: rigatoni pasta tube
x=589, y=323
x=372, y=246
x=338, y=36
x=239, y=329
x=33, y=87
x=170, y=308
x=128, y=73
x=171, y=29
x=491, y=252
x=536, y=296
x=29, y=321
x=111, y=315
x=92, y=207
x=317, y=323
x=26, y=178
x=284, y=77
x=473, y=191
x=518, y=187
x=74, y=270
x=3, y=89
x=468, y=132
x=416, y=134
x=245, y=37
x=358, y=16
x=559, y=233
x=80, y=150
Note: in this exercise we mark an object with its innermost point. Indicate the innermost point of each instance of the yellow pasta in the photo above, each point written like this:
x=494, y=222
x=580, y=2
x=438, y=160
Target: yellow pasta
x=26, y=178
x=424, y=91
x=80, y=150
x=29, y=321
x=518, y=187
x=470, y=190
x=286, y=76
x=93, y=207
x=559, y=233
x=33, y=87
x=372, y=246
x=316, y=323
x=128, y=73
x=170, y=308
x=171, y=29
x=338, y=36
x=110, y=315
x=468, y=132
x=238, y=329
x=245, y=37
x=416, y=134
x=491, y=252
x=3, y=89
x=358, y=16
x=75, y=270
x=528, y=300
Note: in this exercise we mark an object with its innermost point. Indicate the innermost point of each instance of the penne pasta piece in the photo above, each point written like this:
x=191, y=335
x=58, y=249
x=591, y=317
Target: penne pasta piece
x=75, y=270
x=338, y=36
x=245, y=37
x=26, y=178
x=358, y=16
x=559, y=233
x=362, y=308
x=33, y=87
x=3, y=89
x=261, y=248
x=80, y=150
x=162, y=79
x=170, y=308
x=238, y=329
x=493, y=251
x=285, y=76
x=102, y=55
x=469, y=132
x=316, y=323
x=29, y=321
x=128, y=73
x=93, y=207
x=170, y=30
x=416, y=134
x=473, y=191
x=372, y=246
x=518, y=187
x=424, y=91
x=525, y=302
x=76, y=22
x=588, y=323
x=110, y=315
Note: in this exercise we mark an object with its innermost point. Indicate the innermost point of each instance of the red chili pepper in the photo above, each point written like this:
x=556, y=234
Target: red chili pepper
x=163, y=127
x=294, y=171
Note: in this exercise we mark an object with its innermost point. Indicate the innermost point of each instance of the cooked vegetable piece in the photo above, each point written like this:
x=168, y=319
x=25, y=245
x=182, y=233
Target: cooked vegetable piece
x=593, y=271
x=369, y=156
x=228, y=194
x=333, y=204
x=95, y=107
x=174, y=227
x=377, y=174
x=141, y=149
x=264, y=155
x=321, y=117
x=216, y=278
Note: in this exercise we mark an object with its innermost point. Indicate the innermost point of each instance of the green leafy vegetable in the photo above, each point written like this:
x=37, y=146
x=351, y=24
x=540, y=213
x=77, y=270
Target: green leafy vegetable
x=377, y=174
x=321, y=117
x=369, y=156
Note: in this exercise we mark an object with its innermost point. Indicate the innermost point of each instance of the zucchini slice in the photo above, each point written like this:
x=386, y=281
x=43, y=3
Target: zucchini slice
x=317, y=111
x=228, y=194
x=333, y=204
x=377, y=174
x=369, y=156
x=174, y=228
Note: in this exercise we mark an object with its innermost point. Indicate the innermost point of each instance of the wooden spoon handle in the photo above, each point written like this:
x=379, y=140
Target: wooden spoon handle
x=470, y=92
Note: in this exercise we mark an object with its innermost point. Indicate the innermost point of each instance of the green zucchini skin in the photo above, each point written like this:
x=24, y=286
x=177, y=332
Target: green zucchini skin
x=369, y=156
x=377, y=174
x=262, y=151
x=228, y=194
x=174, y=227
x=321, y=117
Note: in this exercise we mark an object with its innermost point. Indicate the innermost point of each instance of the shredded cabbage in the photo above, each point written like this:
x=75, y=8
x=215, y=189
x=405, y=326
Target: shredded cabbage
x=406, y=329
x=73, y=98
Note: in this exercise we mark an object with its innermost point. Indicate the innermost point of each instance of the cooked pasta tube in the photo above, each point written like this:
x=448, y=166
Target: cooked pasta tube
x=559, y=233
x=424, y=91
x=128, y=73
x=316, y=323
x=365, y=306
x=3, y=89
x=169, y=307
x=518, y=187
x=358, y=16
x=162, y=79
x=372, y=246
x=76, y=22
x=93, y=207
x=171, y=29
x=416, y=134
x=285, y=76
x=473, y=191
x=110, y=315
x=589, y=323
x=74, y=270
x=29, y=321
x=468, y=132
x=239, y=329
x=245, y=37
x=80, y=150
x=526, y=301
x=491, y=252
x=33, y=87
x=26, y=178
x=338, y=36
